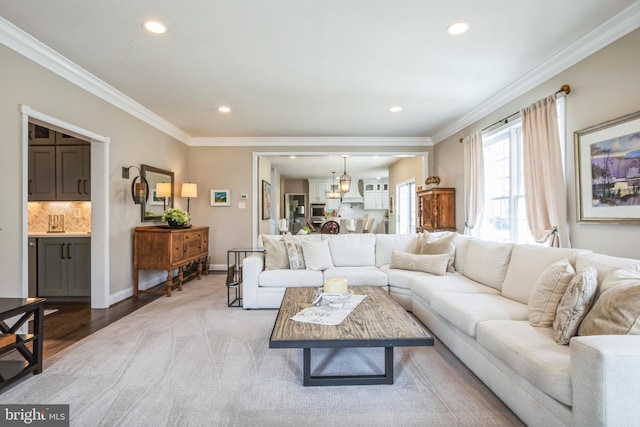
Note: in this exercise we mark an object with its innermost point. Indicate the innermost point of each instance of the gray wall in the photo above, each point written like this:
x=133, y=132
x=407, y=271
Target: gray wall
x=604, y=86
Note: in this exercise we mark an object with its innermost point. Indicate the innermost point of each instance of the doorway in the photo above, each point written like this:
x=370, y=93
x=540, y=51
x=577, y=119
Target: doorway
x=99, y=204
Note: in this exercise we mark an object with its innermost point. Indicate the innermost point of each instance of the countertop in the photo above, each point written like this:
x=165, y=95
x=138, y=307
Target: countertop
x=40, y=234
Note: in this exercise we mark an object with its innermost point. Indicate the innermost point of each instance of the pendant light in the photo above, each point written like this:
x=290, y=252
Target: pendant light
x=345, y=180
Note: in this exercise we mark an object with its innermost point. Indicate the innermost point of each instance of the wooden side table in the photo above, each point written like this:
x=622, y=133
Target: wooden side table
x=10, y=340
x=164, y=248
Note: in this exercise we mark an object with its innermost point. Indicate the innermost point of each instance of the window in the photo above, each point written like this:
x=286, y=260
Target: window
x=504, y=212
x=406, y=207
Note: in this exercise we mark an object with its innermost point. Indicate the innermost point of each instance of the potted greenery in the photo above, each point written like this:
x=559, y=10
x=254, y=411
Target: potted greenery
x=176, y=218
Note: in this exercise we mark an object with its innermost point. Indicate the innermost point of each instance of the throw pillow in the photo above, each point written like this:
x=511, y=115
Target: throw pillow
x=317, y=255
x=547, y=292
x=441, y=243
x=575, y=304
x=292, y=253
x=617, y=310
x=434, y=264
x=275, y=257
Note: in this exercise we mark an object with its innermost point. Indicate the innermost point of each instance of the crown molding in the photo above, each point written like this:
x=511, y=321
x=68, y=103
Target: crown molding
x=31, y=48
x=615, y=28
x=351, y=141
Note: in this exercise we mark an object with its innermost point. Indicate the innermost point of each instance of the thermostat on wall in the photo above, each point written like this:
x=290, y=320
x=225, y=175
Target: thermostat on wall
x=244, y=196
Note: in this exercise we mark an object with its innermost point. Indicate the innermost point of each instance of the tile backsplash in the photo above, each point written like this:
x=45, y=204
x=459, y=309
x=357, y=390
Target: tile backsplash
x=77, y=216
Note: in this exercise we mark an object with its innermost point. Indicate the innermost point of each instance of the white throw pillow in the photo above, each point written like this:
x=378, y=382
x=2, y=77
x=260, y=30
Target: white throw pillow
x=547, y=292
x=316, y=255
x=433, y=264
x=575, y=304
x=296, y=259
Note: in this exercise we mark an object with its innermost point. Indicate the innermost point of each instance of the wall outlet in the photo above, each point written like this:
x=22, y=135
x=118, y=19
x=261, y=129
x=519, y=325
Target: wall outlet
x=241, y=205
x=76, y=213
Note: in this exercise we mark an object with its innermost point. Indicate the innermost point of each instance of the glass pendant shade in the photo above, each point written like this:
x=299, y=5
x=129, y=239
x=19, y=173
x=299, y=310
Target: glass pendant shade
x=345, y=180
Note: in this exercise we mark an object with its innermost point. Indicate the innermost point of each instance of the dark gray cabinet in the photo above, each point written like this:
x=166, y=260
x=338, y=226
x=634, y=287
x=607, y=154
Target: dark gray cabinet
x=59, y=166
x=64, y=266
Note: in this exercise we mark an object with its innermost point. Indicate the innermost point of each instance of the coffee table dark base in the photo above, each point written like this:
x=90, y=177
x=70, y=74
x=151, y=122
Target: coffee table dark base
x=339, y=380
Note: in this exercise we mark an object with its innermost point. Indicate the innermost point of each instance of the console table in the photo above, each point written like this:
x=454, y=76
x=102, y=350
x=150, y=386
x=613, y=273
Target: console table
x=12, y=370
x=165, y=248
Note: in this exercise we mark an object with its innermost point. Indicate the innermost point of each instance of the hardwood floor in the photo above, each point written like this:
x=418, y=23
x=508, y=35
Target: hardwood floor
x=76, y=320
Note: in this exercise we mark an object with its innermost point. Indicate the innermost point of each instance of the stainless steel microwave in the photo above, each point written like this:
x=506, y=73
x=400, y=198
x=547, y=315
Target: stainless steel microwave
x=316, y=210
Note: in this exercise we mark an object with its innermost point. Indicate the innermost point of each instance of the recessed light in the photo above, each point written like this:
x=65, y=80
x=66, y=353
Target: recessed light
x=224, y=109
x=155, y=27
x=292, y=157
x=395, y=109
x=458, y=28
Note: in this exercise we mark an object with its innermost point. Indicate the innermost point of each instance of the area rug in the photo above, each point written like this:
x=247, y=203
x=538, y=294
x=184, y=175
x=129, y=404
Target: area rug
x=190, y=360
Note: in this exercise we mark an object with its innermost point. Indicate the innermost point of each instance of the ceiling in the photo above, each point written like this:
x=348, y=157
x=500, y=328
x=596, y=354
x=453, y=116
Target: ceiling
x=320, y=69
x=358, y=166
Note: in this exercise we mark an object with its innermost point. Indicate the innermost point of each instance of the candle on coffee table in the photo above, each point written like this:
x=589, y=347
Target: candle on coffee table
x=335, y=286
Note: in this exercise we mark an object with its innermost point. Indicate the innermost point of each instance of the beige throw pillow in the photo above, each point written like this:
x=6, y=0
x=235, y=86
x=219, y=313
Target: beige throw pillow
x=575, y=304
x=294, y=253
x=275, y=257
x=617, y=310
x=547, y=292
x=440, y=243
x=433, y=264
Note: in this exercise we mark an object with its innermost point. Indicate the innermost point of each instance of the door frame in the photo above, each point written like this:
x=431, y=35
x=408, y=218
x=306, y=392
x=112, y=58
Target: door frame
x=99, y=204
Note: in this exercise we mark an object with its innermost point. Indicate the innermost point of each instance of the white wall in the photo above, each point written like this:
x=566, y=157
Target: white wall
x=604, y=86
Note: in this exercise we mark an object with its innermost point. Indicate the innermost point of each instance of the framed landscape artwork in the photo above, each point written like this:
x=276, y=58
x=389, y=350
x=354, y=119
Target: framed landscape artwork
x=221, y=197
x=266, y=200
x=608, y=171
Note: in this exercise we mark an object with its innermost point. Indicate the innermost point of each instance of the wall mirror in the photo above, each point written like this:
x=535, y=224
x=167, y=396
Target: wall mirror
x=160, y=196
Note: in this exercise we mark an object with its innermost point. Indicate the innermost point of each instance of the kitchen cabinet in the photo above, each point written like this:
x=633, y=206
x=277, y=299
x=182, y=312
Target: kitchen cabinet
x=73, y=172
x=59, y=166
x=376, y=195
x=436, y=209
x=42, y=173
x=64, y=266
x=164, y=248
x=318, y=189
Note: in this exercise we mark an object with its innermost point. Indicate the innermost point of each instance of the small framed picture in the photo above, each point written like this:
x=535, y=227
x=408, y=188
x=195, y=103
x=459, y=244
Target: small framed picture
x=221, y=197
x=155, y=200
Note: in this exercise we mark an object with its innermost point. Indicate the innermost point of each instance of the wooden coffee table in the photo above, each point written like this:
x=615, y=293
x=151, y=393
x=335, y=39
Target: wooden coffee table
x=378, y=321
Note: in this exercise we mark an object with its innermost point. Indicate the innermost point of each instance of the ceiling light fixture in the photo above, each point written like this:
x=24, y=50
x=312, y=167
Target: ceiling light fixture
x=155, y=27
x=458, y=28
x=345, y=180
x=395, y=109
x=224, y=109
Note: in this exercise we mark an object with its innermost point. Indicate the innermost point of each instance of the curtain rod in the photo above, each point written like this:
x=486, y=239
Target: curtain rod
x=564, y=89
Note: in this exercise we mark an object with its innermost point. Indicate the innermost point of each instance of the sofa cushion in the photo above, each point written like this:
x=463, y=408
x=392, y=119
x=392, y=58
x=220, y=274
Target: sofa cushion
x=275, y=257
x=296, y=258
x=575, y=305
x=358, y=276
x=527, y=264
x=386, y=243
x=617, y=310
x=487, y=261
x=317, y=255
x=465, y=311
x=605, y=264
x=434, y=264
x=290, y=278
x=461, y=242
x=532, y=353
x=425, y=286
x=547, y=292
x=352, y=250
x=400, y=278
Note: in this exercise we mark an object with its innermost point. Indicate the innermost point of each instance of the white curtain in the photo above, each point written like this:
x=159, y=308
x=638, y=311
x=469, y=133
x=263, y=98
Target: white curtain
x=544, y=185
x=473, y=183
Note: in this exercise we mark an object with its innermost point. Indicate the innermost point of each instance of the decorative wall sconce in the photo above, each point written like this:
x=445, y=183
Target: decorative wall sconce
x=139, y=190
x=163, y=190
x=189, y=190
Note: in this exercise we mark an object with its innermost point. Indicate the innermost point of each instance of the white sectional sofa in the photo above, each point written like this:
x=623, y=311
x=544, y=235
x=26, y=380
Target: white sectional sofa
x=481, y=313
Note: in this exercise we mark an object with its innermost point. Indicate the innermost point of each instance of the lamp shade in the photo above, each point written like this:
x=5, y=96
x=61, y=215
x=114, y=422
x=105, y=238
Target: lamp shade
x=189, y=189
x=163, y=189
